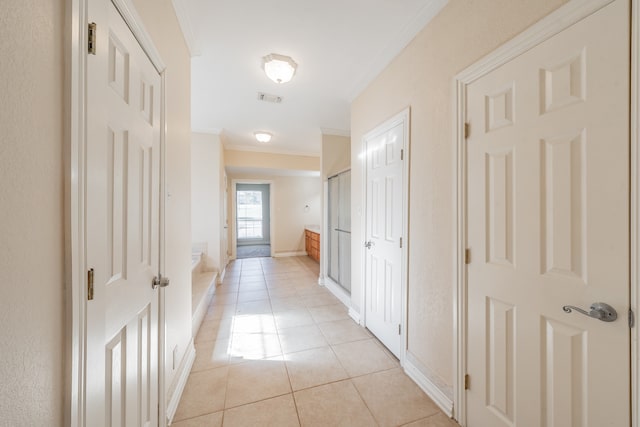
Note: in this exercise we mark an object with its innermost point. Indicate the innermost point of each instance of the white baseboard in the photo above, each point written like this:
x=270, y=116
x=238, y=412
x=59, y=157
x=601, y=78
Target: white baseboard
x=221, y=275
x=439, y=398
x=355, y=315
x=288, y=254
x=181, y=381
x=337, y=291
x=210, y=278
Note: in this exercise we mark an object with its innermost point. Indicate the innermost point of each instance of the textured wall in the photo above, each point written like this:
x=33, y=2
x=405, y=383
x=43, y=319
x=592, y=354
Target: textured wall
x=31, y=213
x=421, y=77
x=336, y=154
x=206, y=195
x=254, y=159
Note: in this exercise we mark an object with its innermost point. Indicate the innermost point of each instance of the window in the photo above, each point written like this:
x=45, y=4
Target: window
x=249, y=213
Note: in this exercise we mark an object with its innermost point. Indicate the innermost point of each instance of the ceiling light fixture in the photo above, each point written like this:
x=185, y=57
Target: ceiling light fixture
x=279, y=68
x=263, y=136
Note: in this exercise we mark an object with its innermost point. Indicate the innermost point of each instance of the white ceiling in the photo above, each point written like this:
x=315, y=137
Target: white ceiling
x=339, y=45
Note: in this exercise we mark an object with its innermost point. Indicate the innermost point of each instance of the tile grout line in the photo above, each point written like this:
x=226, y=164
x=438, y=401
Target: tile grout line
x=364, y=401
x=211, y=305
x=300, y=279
x=226, y=381
x=229, y=365
x=350, y=379
x=286, y=366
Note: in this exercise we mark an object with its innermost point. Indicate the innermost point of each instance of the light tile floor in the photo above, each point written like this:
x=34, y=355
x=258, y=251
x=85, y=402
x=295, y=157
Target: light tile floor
x=276, y=349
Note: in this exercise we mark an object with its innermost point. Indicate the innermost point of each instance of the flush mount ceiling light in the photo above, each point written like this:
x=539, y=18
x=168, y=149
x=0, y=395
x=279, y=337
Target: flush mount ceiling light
x=263, y=136
x=279, y=68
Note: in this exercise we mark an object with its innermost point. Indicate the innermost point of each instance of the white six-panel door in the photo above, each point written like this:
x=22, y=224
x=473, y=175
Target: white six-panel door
x=548, y=226
x=122, y=219
x=384, y=233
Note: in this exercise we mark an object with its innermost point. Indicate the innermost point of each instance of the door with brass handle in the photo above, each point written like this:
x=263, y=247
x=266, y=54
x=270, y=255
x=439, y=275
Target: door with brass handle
x=598, y=310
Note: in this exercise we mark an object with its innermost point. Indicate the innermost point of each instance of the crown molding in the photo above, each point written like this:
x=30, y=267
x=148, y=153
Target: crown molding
x=187, y=28
x=396, y=45
x=335, y=132
x=209, y=131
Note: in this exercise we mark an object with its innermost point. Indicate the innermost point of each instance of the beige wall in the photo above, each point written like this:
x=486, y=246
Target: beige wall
x=255, y=159
x=207, y=191
x=31, y=213
x=421, y=77
x=336, y=155
x=335, y=158
x=32, y=172
x=290, y=195
x=160, y=20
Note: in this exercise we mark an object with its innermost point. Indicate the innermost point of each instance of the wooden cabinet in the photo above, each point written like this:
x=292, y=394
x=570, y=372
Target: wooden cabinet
x=312, y=244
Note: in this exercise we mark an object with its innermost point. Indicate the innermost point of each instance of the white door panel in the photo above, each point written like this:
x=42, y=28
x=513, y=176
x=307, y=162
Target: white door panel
x=548, y=226
x=384, y=228
x=122, y=217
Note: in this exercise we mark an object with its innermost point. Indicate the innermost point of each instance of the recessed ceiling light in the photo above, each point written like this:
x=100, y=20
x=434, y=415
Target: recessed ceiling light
x=279, y=68
x=263, y=136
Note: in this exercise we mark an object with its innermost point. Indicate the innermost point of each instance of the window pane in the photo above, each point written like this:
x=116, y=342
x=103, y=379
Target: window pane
x=249, y=212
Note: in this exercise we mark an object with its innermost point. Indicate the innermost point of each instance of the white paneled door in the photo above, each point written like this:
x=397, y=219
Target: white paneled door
x=384, y=271
x=122, y=226
x=548, y=227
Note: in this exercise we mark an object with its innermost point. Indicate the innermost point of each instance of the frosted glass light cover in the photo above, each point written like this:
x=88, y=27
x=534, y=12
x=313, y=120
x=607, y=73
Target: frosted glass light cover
x=279, y=68
x=263, y=136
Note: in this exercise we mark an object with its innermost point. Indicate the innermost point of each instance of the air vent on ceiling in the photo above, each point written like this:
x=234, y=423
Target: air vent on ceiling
x=269, y=98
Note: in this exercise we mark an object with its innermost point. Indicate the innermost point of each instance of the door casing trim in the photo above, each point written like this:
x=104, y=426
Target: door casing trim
x=75, y=128
x=567, y=15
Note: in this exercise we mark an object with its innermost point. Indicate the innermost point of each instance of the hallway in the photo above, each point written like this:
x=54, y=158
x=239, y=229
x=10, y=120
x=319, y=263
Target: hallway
x=276, y=349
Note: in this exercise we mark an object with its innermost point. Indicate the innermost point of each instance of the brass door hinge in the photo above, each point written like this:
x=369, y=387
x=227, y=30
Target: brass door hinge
x=467, y=382
x=91, y=46
x=466, y=130
x=90, y=284
x=467, y=256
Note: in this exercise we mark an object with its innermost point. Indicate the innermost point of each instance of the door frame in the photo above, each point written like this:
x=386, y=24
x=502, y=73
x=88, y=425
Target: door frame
x=75, y=118
x=567, y=15
x=404, y=118
x=234, y=225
